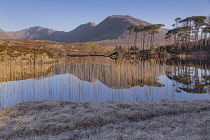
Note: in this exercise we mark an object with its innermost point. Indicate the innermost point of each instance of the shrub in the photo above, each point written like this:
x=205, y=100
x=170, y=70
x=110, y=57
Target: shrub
x=118, y=49
x=133, y=48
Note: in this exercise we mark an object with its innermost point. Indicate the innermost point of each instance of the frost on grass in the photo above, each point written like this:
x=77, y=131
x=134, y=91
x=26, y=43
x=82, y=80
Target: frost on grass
x=106, y=121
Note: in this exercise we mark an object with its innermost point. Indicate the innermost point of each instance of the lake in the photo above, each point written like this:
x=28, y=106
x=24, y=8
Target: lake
x=100, y=79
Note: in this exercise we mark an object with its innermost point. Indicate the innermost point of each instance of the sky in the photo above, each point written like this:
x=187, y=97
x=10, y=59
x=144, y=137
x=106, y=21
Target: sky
x=66, y=15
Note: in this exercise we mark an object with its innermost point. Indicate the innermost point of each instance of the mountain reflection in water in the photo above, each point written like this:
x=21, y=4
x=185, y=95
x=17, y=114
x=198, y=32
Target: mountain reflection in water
x=98, y=79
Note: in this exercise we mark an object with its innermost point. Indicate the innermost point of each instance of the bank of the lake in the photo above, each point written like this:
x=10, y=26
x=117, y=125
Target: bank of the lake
x=109, y=120
x=161, y=54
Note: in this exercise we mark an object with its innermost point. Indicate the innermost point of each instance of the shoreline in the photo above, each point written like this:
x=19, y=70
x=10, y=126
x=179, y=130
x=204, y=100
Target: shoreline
x=161, y=54
x=108, y=120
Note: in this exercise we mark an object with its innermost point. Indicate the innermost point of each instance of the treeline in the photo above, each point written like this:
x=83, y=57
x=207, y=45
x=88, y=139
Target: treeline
x=191, y=33
x=146, y=33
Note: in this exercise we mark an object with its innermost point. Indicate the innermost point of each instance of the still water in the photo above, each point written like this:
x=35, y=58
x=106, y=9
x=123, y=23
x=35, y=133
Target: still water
x=99, y=79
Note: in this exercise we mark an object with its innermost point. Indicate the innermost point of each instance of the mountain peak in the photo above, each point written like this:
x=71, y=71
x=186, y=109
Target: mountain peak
x=40, y=28
x=92, y=24
x=119, y=16
x=129, y=19
x=37, y=27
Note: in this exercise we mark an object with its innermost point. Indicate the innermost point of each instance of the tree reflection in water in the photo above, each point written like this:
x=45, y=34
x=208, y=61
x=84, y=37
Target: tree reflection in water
x=191, y=76
x=100, y=79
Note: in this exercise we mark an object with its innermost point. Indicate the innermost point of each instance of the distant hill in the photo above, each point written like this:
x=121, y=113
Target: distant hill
x=32, y=33
x=4, y=35
x=111, y=31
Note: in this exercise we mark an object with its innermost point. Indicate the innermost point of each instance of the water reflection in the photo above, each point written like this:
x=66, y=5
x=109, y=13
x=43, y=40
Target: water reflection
x=115, y=74
x=192, y=77
x=99, y=79
x=13, y=71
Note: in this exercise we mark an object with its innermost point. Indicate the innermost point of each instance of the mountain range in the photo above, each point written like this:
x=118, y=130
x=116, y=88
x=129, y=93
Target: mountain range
x=111, y=31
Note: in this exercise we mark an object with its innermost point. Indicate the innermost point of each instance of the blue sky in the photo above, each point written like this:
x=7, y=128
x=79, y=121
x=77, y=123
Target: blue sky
x=65, y=15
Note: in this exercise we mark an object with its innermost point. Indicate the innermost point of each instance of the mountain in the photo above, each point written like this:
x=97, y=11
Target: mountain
x=33, y=33
x=111, y=31
x=82, y=33
x=4, y=35
x=114, y=27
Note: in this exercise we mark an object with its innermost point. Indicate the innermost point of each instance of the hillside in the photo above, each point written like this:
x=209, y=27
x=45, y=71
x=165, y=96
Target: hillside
x=19, y=53
x=113, y=27
x=115, y=31
x=111, y=31
x=33, y=33
x=4, y=35
x=60, y=49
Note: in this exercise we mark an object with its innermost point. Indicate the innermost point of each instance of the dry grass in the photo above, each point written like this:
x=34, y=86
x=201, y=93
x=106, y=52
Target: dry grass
x=61, y=49
x=20, y=51
x=106, y=121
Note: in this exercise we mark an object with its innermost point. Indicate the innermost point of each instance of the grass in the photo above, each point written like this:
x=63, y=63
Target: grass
x=61, y=49
x=18, y=51
x=106, y=121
